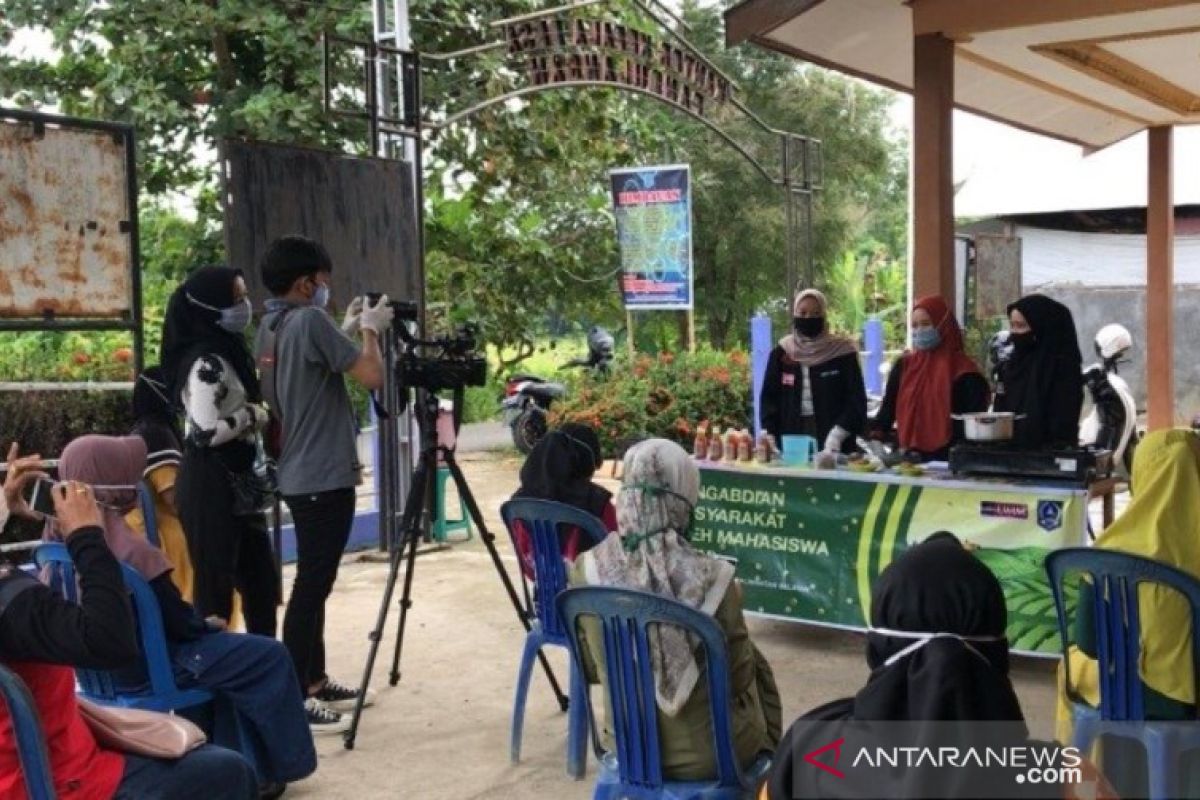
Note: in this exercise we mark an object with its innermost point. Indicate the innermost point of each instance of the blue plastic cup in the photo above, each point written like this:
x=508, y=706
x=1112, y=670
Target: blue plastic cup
x=798, y=450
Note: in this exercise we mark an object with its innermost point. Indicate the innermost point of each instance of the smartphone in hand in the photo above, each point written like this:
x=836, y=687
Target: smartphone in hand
x=38, y=495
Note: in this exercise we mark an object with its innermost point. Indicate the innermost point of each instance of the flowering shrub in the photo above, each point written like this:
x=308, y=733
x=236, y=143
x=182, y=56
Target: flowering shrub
x=664, y=396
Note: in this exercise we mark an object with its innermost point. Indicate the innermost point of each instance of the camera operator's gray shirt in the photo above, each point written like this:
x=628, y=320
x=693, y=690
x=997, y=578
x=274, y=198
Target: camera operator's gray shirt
x=320, y=433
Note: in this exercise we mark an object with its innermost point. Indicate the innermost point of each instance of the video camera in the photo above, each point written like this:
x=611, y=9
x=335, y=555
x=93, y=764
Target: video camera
x=440, y=364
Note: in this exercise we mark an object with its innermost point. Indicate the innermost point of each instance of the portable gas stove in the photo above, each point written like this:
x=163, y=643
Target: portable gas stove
x=1074, y=466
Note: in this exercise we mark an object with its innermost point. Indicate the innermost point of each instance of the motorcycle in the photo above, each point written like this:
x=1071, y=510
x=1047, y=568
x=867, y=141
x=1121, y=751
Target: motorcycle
x=527, y=398
x=1112, y=423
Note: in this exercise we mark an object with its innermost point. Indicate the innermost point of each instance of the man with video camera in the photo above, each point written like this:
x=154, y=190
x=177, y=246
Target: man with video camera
x=303, y=357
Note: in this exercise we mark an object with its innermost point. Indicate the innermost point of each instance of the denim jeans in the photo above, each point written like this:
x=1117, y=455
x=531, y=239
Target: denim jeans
x=206, y=773
x=322, y=522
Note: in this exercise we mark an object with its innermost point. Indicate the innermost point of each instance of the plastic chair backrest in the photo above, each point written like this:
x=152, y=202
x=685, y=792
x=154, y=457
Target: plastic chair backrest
x=31, y=744
x=1115, y=577
x=149, y=513
x=543, y=519
x=152, y=638
x=624, y=616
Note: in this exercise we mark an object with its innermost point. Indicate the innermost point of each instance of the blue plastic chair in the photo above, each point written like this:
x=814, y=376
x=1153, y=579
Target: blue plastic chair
x=31, y=744
x=634, y=769
x=543, y=519
x=161, y=692
x=149, y=513
x=1115, y=577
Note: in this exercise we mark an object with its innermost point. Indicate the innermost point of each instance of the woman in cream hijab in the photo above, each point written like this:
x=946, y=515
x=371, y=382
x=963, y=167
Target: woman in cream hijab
x=813, y=383
x=650, y=551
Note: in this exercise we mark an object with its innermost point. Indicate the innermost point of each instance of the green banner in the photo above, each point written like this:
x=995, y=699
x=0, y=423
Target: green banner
x=809, y=544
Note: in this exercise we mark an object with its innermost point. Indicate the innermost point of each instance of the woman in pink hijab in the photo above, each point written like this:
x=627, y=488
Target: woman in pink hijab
x=254, y=673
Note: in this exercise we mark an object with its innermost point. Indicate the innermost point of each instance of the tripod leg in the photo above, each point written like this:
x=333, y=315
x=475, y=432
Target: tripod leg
x=410, y=532
x=409, y=545
x=489, y=541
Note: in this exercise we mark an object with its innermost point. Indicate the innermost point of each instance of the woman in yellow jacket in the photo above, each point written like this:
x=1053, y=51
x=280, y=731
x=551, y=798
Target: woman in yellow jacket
x=1160, y=523
x=157, y=424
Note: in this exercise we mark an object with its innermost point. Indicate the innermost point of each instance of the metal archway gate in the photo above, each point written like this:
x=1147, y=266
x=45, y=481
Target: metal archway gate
x=573, y=47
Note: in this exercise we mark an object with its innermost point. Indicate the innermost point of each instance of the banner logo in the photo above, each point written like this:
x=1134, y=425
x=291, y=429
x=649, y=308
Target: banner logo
x=834, y=746
x=1050, y=514
x=993, y=508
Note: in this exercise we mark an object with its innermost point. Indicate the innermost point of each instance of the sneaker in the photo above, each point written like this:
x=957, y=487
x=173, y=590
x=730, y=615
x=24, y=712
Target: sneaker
x=323, y=719
x=341, y=698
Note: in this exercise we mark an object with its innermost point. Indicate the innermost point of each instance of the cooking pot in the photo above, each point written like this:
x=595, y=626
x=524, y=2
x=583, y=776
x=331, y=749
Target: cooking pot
x=988, y=426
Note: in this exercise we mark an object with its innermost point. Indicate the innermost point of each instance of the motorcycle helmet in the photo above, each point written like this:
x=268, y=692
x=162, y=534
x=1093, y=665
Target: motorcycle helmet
x=600, y=345
x=1000, y=348
x=1112, y=341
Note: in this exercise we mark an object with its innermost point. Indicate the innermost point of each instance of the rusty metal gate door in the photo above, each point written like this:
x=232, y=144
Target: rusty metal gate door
x=68, y=225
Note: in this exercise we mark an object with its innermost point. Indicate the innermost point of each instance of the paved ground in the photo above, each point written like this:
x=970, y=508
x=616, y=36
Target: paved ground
x=443, y=731
x=479, y=436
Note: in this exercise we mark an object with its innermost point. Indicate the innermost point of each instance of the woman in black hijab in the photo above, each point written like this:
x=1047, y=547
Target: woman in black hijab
x=560, y=468
x=938, y=653
x=207, y=362
x=1043, y=379
x=156, y=418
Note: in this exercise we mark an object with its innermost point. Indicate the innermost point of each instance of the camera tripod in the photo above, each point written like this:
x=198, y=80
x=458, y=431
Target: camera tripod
x=419, y=507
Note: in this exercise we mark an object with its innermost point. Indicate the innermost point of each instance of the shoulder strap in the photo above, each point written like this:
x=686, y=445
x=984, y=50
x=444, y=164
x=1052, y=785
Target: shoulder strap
x=268, y=357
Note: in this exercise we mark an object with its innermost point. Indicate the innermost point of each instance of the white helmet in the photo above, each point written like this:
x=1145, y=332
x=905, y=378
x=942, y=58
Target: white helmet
x=1112, y=341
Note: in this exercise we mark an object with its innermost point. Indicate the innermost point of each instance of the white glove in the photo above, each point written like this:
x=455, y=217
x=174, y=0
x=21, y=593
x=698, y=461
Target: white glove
x=826, y=459
x=377, y=317
x=833, y=442
x=353, y=318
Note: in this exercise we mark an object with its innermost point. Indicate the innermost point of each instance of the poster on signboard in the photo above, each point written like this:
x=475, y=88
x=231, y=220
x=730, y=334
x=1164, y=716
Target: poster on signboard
x=653, y=207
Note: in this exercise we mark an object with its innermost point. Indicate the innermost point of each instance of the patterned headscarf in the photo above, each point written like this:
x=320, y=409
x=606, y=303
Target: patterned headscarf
x=651, y=552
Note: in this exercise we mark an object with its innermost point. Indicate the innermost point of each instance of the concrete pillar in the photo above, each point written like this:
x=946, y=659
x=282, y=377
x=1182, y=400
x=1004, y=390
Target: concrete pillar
x=932, y=268
x=1160, y=281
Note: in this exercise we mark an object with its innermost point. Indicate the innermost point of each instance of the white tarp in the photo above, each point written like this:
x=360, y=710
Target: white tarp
x=1097, y=259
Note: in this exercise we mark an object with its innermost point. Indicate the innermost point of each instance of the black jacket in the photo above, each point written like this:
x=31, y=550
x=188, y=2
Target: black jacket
x=838, y=395
x=98, y=633
x=969, y=393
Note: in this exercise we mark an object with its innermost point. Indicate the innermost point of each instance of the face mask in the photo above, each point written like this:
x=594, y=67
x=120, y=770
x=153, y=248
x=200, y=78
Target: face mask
x=159, y=389
x=633, y=540
x=926, y=338
x=320, y=297
x=808, y=327
x=922, y=639
x=235, y=318
x=129, y=493
x=1022, y=342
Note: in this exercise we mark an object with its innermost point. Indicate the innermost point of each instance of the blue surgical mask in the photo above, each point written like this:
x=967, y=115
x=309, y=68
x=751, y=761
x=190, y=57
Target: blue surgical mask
x=235, y=318
x=320, y=297
x=926, y=338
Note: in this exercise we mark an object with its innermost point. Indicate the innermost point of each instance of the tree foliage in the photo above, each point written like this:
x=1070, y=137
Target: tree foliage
x=519, y=232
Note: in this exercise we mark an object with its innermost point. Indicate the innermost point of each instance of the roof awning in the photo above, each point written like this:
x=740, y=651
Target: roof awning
x=1086, y=71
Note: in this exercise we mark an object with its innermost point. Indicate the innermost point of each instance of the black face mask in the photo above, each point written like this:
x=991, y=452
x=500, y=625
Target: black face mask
x=808, y=327
x=1022, y=342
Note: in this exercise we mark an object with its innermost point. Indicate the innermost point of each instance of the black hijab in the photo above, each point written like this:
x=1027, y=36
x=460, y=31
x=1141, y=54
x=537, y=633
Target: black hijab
x=560, y=467
x=191, y=331
x=1045, y=382
x=156, y=418
x=934, y=587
